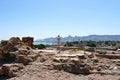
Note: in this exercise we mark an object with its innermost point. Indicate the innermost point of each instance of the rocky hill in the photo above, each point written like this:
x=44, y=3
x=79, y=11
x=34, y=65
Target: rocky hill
x=76, y=38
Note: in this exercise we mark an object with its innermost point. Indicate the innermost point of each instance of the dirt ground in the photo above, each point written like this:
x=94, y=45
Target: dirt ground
x=39, y=70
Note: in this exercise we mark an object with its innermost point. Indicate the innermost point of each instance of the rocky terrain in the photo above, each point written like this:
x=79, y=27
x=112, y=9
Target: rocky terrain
x=20, y=61
x=50, y=67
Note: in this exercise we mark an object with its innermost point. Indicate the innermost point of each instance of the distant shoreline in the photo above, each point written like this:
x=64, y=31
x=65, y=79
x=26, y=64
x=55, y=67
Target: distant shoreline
x=45, y=43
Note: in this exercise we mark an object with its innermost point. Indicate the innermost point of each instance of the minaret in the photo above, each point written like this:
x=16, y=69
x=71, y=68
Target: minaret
x=58, y=43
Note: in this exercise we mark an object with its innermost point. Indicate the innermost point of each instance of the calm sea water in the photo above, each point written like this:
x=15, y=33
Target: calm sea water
x=45, y=43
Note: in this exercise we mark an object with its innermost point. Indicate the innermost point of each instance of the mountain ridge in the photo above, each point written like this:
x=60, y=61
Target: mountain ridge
x=78, y=38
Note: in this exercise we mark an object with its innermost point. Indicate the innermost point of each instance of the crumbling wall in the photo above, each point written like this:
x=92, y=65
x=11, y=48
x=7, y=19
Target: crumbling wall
x=14, y=46
x=28, y=41
x=9, y=45
x=17, y=53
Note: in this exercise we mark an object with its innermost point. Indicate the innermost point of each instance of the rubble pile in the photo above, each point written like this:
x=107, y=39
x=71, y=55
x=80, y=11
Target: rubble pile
x=16, y=54
x=14, y=48
x=73, y=63
x=16, y=51
x=81, y=62
x=75, y=67
x=66, y=64
x=10, y=69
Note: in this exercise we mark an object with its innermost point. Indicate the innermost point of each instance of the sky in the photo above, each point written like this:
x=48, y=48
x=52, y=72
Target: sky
x=48, y=18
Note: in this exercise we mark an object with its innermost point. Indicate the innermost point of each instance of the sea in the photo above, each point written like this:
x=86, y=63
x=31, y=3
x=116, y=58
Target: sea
x=45, y=43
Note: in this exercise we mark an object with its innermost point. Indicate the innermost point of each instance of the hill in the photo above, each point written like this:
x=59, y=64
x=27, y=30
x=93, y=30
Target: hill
x=78, y=38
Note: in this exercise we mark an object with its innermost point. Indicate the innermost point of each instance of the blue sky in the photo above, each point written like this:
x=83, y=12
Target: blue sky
x=48, y=18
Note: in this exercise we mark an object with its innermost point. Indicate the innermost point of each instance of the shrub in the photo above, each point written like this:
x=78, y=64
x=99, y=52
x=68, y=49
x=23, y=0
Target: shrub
x=40, y=46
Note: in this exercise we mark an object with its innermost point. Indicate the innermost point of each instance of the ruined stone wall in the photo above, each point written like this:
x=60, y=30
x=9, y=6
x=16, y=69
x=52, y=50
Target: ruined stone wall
x=14, y=44
x=28, y=41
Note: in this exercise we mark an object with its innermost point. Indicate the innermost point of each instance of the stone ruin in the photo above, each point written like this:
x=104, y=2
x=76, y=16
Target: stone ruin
x=76, y=63
x=21, y=53
x=74, y=66
x=9, y=49
x=16, y=51
x=28, y=41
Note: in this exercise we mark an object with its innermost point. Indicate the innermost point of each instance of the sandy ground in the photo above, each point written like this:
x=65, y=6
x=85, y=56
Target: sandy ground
x=38, y=70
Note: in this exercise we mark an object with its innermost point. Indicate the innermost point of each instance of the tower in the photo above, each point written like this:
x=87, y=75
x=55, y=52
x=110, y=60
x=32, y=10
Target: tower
x=58, y=42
